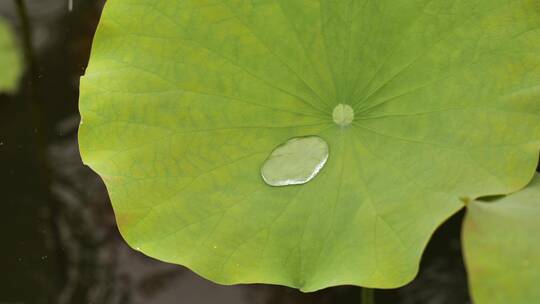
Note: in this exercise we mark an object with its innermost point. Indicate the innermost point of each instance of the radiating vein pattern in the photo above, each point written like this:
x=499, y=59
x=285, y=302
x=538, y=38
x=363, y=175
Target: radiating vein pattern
x=421, y=103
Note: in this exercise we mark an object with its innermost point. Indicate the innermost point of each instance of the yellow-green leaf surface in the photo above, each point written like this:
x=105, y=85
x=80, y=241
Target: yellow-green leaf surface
x=183, y=101
x=10, y=64
x=501, y=248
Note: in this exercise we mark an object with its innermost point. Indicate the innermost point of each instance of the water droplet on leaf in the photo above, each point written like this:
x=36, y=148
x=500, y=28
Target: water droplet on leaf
x=295, y=162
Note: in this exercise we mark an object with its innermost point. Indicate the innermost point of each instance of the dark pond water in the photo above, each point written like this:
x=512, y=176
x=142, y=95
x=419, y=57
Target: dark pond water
x=59, y=241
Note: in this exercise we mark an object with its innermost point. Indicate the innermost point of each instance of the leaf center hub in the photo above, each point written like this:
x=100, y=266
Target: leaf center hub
x=343, y=114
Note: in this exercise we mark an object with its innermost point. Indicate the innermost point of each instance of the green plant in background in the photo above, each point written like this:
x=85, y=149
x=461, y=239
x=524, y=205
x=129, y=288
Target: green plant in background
x=424, y=105
x=10, y=62
x=501, y=248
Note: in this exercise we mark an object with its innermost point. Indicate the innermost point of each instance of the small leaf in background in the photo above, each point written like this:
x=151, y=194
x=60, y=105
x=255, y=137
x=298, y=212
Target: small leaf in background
x=10, y=61
x=502, y=248
x=421, y=103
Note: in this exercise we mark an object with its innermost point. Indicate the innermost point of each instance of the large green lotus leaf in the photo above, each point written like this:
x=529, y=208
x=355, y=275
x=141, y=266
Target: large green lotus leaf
x=10, y=64
x=184, y=100
x=501, y=248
